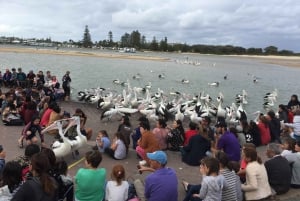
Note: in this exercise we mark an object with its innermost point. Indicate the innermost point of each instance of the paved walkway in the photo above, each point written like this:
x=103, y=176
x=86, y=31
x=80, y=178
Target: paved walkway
x=9, y=136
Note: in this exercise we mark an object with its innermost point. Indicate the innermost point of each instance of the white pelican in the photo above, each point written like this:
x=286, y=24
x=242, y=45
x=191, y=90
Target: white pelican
x=214, y=84
x=185, y=81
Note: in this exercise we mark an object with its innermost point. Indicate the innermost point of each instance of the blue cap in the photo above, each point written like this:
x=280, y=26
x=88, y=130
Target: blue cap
x=158, y=156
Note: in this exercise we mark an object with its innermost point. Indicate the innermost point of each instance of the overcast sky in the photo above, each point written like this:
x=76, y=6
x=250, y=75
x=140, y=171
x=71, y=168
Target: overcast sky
x=247, y=23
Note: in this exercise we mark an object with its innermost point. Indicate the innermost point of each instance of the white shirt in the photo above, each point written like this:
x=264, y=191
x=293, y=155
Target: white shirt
x=116, y=193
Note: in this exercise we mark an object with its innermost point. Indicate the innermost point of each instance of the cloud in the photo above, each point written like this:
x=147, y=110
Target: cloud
x=249, y=23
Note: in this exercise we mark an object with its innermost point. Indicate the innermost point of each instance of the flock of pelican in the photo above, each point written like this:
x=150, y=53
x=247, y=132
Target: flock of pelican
x=155, y=104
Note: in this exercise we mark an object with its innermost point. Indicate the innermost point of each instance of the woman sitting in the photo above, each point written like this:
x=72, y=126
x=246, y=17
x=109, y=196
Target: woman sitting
x=41, y=186
x=176, y=136
x=118, y=148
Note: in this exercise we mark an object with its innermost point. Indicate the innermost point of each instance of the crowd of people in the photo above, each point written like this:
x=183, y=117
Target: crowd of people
x=230, y=165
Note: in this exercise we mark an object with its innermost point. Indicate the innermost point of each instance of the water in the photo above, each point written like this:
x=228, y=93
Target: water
x=88, y=72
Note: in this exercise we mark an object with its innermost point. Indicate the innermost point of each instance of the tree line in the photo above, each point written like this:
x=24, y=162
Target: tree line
x=136, y=40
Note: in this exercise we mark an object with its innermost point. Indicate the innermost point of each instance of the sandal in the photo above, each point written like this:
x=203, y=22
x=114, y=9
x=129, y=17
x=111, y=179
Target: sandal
x=20, y=144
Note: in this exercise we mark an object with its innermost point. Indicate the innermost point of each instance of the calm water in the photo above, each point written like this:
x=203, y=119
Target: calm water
x=88, y=72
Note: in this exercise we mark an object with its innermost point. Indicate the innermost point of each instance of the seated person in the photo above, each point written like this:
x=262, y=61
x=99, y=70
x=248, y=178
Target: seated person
x=195, y=150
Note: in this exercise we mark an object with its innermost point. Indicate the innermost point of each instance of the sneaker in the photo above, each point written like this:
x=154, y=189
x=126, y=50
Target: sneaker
x=143, y=163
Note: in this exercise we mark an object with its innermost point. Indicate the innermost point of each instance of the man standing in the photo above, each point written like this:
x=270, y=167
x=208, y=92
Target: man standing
x=227, y=142
x=66, y=85
x=162, y=183
x=278, y=170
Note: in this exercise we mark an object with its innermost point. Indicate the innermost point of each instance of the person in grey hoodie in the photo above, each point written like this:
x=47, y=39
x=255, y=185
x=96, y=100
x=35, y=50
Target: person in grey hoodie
x=212, y=183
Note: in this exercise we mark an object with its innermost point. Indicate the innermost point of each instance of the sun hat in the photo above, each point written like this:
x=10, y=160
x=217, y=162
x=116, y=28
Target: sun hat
x=158, y=156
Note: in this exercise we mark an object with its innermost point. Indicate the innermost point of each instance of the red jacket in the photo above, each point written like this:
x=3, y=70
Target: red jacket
x=264, y=131
x=188, y=134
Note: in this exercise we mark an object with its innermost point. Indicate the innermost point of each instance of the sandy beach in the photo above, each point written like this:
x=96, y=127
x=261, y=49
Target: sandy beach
x=289, y=61
x=80, y=52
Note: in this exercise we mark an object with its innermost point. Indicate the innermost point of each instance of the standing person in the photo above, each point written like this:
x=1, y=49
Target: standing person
x=278, y=170
x=41, y=186
x=256, y=186
x=125, y=129
x=176, y=136
x=66, y=80
x=118, y=149
x=90, y=181
x=11, y=180
x=227, y=141
x=162, y=183
x=161, y=134
x=147, y=143
x=117, y=188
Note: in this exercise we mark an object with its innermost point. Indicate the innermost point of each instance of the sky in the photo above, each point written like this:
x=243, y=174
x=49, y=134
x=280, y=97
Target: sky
x=246, y=23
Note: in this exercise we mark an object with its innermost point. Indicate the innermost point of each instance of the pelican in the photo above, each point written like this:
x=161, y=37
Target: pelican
x=185, y=81
x=148, y=86
x=116, y=81
x=161, y=76
x=214, y=84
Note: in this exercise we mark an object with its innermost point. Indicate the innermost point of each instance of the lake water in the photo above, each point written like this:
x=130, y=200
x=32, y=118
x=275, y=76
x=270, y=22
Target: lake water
x=88, y=72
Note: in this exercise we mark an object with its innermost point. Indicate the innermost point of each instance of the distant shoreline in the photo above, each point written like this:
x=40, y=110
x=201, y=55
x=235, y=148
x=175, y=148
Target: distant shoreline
x=79, y=53
x=289, y=61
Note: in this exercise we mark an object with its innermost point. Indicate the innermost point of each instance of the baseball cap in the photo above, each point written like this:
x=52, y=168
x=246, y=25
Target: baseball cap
x=221, y=124
x=158, y=156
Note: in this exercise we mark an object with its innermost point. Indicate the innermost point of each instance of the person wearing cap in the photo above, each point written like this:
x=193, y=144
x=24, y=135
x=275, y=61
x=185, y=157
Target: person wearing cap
x=162, y=183
x=2, y=159
x=227, y=141
x=66, y=80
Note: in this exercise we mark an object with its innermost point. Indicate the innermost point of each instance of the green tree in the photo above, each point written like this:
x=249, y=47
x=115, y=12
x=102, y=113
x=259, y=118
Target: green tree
x=87, y=42
x=153, y=45
x=110, y=38
x=164, y=44
x=135, y=39
x=271, y=50
x=143, y=42
x=254, y=51
x=125, y=40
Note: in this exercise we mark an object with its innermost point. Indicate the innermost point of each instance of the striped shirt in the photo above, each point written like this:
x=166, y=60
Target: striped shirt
x=233, y=186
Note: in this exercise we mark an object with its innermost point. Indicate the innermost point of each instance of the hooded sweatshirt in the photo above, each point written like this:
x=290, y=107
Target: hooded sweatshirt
x=211, y=188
